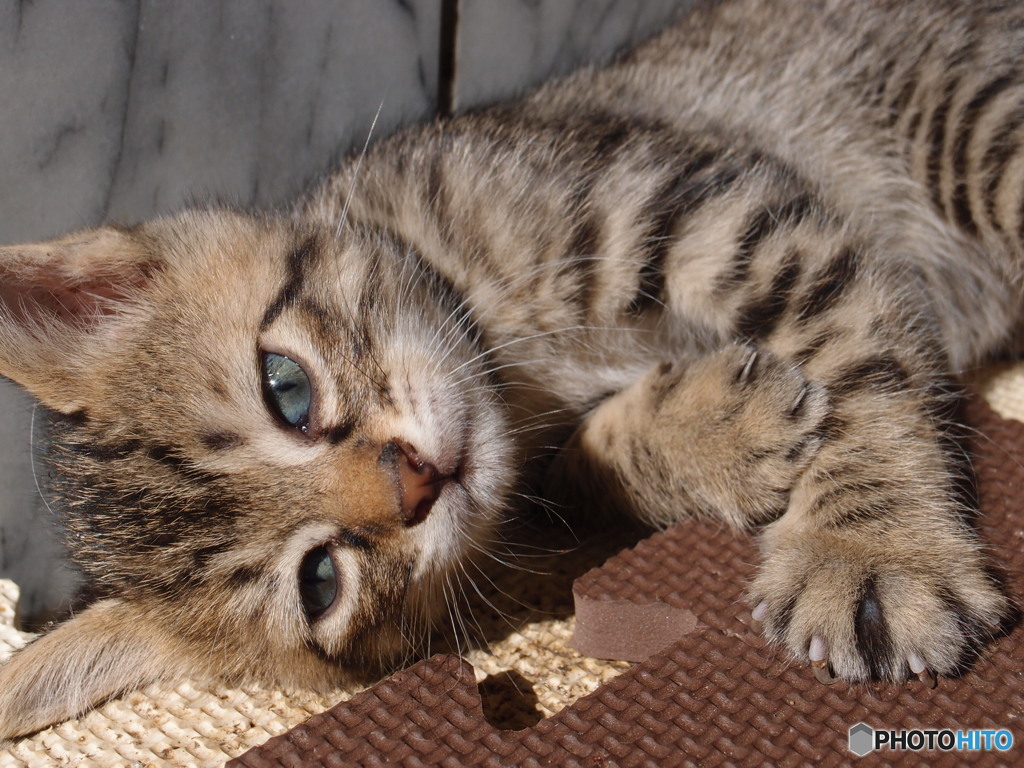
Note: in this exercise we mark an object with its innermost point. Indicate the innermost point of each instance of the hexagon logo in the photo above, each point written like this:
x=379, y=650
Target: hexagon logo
x=862, y=739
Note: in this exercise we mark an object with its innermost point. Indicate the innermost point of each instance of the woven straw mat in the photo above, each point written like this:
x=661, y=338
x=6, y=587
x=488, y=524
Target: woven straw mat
x=200, y=724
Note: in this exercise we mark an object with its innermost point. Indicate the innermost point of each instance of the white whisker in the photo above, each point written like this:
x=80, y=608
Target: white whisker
x=355, y=173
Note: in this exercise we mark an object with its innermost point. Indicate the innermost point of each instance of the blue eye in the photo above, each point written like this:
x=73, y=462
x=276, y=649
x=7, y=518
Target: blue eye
x=287, y=390
x=318, y=582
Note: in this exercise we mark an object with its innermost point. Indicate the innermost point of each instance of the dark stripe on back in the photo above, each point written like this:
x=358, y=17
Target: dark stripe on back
x=761, y=225
x=815, y=345
x=884, y=76
x=607, y=133
x=586, y=233
x=297, y=263
x=881, y=372
x=830, y=284
x=583, y=257
x=910, y=85
x=1020, y=220
x=832, y=427
x=435, y=197
x=937, y=141
x=912, y=82
x=965, y=130
x=1003, y=147
x=156, y=538
x=759, y=318
x=681, y=194
x=914, y=125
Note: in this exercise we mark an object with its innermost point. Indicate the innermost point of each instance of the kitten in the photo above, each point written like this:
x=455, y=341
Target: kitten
x=744, y=263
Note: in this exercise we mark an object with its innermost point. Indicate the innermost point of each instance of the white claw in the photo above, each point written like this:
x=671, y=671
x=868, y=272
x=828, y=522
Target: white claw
x=817, y=651
x=915, y=663
x=918, y=667
x=757, y=616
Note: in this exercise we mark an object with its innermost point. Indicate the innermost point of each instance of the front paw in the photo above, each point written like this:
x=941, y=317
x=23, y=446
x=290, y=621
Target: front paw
x=749, y=425
x=875, y=606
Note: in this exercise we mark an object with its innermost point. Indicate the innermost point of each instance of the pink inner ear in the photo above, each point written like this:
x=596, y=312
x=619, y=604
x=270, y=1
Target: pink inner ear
x=72, y=303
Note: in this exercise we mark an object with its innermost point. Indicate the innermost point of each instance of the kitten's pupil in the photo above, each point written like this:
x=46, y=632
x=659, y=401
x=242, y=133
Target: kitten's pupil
x=318, y=582
x=286, y=389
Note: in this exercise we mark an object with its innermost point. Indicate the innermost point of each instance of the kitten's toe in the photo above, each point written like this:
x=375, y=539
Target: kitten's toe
x=857, y=610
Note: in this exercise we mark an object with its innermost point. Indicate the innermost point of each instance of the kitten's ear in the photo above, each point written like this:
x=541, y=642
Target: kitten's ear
x=60, y=300
x=107, y=649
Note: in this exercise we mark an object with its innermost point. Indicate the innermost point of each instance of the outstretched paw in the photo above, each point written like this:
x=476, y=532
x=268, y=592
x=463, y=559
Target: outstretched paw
x=872, y=607
x=749, y=424
x=724, y=435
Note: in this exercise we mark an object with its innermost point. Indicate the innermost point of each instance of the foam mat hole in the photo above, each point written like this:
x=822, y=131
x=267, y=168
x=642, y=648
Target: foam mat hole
x=509, y=701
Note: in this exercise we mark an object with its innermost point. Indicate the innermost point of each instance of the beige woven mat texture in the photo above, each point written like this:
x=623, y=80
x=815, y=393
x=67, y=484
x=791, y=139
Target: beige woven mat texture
x=191, y=724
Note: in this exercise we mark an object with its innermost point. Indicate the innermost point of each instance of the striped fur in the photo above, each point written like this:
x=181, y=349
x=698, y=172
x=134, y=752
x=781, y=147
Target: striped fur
x=741, y=269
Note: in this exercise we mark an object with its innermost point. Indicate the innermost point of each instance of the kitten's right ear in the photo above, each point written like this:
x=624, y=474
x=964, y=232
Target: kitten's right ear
x=109, y=648
x=60, y=301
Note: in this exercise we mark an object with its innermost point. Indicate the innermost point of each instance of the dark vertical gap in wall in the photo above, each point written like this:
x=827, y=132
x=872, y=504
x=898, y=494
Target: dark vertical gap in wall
x=448, y=50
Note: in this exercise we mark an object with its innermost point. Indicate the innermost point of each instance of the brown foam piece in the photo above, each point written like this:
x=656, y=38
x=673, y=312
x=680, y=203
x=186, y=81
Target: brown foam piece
x=667, y=586
x=717, y=695
x=622, y=629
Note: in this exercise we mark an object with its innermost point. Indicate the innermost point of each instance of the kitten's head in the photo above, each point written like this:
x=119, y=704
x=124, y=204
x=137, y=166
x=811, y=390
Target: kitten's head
x=271, y=448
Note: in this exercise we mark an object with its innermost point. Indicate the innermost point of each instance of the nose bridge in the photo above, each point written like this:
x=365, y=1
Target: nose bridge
x=365, y=485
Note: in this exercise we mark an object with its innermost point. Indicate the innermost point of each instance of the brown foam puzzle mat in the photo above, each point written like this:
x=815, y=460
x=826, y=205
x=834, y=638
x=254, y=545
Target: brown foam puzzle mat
x=716, y=695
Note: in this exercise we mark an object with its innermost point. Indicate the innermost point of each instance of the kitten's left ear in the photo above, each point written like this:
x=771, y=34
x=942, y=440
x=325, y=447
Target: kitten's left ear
x=60, y=301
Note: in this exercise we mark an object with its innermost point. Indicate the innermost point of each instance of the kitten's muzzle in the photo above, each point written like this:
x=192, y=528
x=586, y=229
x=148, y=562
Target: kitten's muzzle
x=420, y=482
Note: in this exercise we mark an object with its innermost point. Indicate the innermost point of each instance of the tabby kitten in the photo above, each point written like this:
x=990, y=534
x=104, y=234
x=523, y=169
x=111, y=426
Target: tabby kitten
x=745, y=263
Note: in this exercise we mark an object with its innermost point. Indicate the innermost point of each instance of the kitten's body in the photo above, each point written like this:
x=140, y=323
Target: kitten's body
x=744, y=264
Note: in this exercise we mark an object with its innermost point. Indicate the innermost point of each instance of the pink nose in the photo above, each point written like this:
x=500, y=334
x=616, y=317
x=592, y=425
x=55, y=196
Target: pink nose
x=421, y=484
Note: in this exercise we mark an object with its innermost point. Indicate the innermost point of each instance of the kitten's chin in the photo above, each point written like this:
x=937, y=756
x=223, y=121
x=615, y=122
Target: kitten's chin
x=478, y=462
x=460, y=529
x=456, y=528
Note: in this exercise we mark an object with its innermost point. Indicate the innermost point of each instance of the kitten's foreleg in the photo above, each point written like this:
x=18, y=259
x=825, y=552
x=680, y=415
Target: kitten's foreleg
x=869, y=566
x=727, y=435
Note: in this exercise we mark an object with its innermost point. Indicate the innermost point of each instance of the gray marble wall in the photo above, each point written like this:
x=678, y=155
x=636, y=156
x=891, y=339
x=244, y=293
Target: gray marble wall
x=506, y=47
x=117, y=110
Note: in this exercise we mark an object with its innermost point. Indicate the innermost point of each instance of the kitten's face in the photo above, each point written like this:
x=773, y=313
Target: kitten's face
x=274, y=447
